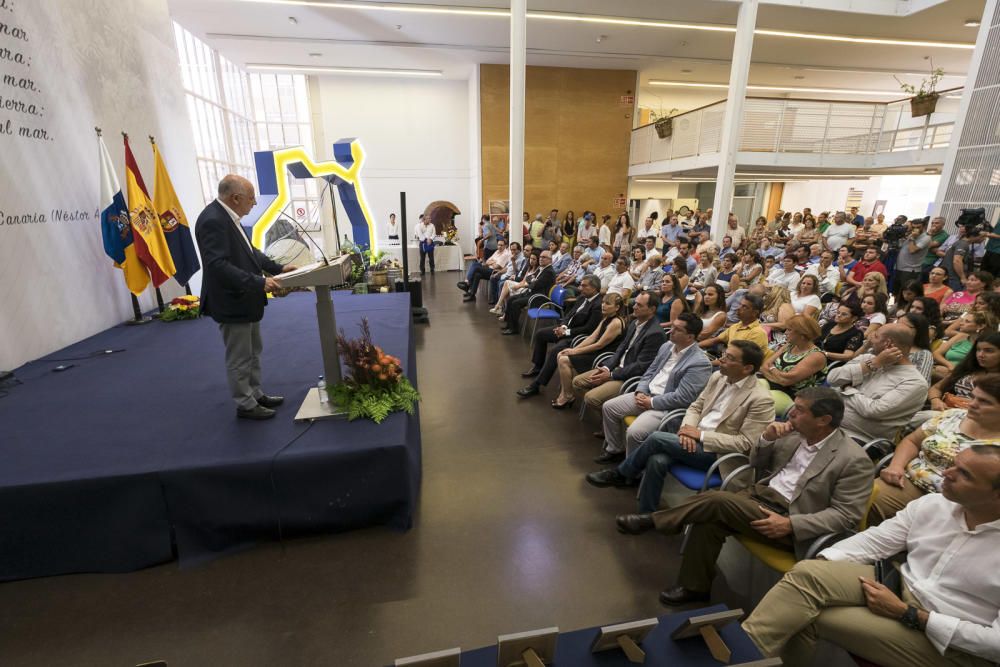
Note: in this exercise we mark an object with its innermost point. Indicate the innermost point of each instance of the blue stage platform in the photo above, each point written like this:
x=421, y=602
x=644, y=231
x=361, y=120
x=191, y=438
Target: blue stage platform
x=135, y=458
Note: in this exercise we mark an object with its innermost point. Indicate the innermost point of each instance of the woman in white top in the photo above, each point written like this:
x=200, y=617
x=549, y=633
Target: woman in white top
x=638, y=266
x=874, y=308
x=604, y=232
x=805, y=298
x=712, y=311
x=797, y=225
x=706, y=272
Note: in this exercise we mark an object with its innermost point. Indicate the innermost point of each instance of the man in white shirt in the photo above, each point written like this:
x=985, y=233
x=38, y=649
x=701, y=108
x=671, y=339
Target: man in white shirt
x=839, y=233
x=496, y=264
x=650, y=247
x=948, y=612
x=675, y=378
x=622, y=282
x=735, y=232
x=728, y=416
x=649, y=228
x=605, y=271
x=882, y=391
x=785, y=275
x=425, y=239
x=826, y=273
x=811, y=480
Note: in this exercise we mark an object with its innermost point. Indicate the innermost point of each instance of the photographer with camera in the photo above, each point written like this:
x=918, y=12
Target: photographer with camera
x=991, y=260
x=958, y=261
x=912, y=251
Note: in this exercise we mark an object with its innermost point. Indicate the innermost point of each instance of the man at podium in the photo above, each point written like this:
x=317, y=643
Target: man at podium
x=234, y=292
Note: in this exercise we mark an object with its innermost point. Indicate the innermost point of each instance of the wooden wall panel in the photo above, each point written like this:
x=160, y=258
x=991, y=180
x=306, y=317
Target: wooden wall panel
x=576, y=137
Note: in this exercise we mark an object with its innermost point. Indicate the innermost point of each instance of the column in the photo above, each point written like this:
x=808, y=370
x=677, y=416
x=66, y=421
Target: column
x=974, y=148
x=518, y=58
x=739, y=72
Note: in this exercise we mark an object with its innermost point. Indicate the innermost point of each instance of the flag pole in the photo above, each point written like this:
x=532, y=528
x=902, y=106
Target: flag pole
x=137, y=317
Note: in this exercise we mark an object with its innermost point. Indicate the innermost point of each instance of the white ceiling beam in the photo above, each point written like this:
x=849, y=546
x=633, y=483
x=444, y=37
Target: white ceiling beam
x=898, y=8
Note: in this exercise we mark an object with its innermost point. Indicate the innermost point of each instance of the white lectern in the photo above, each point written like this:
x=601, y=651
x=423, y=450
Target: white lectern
x=320, y=276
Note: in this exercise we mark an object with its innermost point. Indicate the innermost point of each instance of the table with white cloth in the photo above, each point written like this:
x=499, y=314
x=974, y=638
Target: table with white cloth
x=446, y=257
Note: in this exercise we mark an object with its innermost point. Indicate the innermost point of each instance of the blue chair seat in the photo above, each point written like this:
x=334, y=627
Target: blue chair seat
x=543, y=314
x=693, y=478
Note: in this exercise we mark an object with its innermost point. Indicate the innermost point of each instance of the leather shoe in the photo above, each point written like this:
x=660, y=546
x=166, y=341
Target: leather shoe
x=462, y=285
x=610, y=457
x=532, y=373
x=634, y=524
x=259, y=412
x=270, y=401
x=507, y=332
x=469, y=297
x=609, y=477
x=680, y=595
x=530, y=390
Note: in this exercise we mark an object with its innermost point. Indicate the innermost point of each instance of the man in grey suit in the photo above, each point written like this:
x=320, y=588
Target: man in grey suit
x=675, y=378
x=812, y=479
x=234, y=292
x=727, y=417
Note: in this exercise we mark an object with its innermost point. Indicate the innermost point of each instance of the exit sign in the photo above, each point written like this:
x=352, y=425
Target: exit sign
x=618, y=202
x=626, y=100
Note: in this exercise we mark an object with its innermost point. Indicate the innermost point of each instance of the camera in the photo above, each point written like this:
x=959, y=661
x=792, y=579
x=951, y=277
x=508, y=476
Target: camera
x=894, y=234
x=973, y=220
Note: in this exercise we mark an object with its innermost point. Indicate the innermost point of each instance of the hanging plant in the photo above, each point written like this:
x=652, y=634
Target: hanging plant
x=663, y=122
x=923, y=98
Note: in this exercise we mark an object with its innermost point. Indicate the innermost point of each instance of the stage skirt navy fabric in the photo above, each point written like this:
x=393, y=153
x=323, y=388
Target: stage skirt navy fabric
x=133, y=458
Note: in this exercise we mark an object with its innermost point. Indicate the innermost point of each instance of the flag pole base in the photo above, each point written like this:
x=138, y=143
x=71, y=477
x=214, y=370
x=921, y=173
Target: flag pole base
x=142, y=320
x=137, y=316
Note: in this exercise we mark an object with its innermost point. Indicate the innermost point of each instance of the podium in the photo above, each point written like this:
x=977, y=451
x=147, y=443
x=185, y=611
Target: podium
x=320, y=276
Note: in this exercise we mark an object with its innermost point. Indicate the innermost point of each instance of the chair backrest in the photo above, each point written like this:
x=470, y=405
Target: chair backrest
x=558, y=295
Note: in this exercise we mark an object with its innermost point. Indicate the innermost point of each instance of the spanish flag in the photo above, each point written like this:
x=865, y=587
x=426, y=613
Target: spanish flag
x=173, y=221
x=150, y=244
x=115, y=228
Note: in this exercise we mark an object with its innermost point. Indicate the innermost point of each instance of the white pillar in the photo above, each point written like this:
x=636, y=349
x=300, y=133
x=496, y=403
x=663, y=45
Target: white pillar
x=948, y=168
x=518, y=58
x=739, y=72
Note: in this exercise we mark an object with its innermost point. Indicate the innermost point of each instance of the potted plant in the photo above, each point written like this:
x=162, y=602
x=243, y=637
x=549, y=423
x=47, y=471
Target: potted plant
x=663, y=122
x=923, y=99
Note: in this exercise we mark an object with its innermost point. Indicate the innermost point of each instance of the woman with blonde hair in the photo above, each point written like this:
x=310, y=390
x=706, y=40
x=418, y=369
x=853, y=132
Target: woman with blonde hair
x=799, y=363
x=777, y=311
x=578, y=359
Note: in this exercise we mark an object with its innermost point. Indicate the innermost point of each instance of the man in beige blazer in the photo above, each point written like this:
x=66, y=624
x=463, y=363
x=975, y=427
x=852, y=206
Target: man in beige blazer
x=728, y=416
x=812, y=479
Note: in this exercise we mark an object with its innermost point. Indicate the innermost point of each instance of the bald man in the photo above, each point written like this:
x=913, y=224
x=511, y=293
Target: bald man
x=882, y=391
x=233, y=292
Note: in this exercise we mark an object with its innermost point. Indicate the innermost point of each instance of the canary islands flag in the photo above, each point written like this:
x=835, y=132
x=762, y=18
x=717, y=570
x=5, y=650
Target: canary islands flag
x=150, y=243
x=174, y=222
x=115, y=227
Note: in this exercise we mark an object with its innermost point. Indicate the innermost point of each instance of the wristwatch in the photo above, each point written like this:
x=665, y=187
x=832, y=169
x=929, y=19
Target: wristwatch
x=910, y=619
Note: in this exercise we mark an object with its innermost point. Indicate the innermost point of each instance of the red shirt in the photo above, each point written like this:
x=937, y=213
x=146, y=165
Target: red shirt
x=861, y=269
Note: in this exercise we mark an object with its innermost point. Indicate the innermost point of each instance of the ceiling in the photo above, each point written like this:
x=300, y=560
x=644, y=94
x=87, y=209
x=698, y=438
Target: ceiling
x=261, y=32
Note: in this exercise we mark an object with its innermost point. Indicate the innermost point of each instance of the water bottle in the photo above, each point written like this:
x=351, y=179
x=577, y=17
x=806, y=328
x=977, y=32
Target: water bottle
x=324, y=397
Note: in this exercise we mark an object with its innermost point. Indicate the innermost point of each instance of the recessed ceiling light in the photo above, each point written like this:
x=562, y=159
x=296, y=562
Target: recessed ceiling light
x=971, y=23
x=601, y=38
x=293, y=20
x=315, y=55
x=686, y=71
x=268, y=67
x=784, y=89
x=798, y=77
x=604, y=20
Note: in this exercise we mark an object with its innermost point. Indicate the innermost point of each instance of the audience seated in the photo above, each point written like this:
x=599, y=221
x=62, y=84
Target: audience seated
x=540, y=284
x=988, y=302
x=572, y=270
x=746, y=328
x=517, y=285
x=776, y=313
x=561, y=258
x=652, y=275
x=882, y=390
x=672, y=301
x=581, y=319
x=936, y=286
x=840, y=338
x=948, y=608
x=728, y=416
x=955, y=389
x=961, y=301
x=621, y=282
x=826, y=273
x=805, y=298
x=786, y=276
x=799, y=363
x=930, y=309
x=951, y=352
x=496, y=264
x=920, y=459
x=873, y=314
x=727, y=278
x=869, y=263
x=706, y=272
x=711, y=309
x=640, y=343
x=675, y=378
x=811, y=480
x=920, y=354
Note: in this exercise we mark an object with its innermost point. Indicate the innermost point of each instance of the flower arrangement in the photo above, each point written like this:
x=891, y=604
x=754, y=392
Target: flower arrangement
x=186, y=307
x=451, y=235
x=376, y=385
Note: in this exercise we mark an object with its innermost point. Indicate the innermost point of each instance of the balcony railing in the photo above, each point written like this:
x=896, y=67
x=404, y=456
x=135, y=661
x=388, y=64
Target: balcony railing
x=772, y=125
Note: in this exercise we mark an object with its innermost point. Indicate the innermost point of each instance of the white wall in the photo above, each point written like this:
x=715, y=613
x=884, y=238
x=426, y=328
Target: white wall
x=100, y=63
x=416, y=134
x=907, y=195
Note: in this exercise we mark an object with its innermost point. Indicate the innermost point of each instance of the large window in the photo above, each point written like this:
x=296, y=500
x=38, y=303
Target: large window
x=233, y=113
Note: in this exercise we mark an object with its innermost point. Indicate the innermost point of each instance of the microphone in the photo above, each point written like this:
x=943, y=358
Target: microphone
x=302, y=229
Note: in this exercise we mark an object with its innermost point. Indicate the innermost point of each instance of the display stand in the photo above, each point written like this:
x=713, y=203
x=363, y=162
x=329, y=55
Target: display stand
x=320, y=276
x=535, y=648
x=625, y=636
x=447, y=658
x=708, y=627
